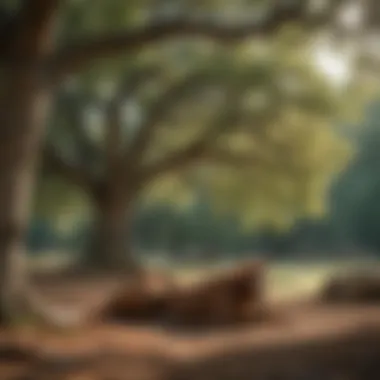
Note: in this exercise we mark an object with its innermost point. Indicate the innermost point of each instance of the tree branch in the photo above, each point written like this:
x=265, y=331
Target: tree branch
x=224, y=157
x=198, y=155
x=76, y=56
x=114, y=138
x=70, y=107
x=203, y=147
x=156, y=114
x=53, y=161
x=132, y=81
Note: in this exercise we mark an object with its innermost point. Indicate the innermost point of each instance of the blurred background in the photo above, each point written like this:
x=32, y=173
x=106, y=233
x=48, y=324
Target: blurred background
x=186, y=136
x=192, y=152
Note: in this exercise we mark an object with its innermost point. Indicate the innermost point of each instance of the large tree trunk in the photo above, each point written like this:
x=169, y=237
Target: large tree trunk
x=24, y=99
x=110, y=247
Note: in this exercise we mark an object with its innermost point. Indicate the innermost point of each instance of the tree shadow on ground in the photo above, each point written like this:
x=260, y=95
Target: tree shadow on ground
x=352, y=354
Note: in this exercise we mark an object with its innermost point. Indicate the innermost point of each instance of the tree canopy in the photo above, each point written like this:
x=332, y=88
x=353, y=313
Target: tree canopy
x=255, y=125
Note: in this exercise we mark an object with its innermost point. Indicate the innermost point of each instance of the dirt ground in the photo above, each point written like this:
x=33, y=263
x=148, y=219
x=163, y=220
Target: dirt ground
x=308, y=341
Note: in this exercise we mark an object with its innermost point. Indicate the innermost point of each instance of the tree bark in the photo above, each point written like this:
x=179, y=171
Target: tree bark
x=24, y=100
x=110, y=246
x=21, y=131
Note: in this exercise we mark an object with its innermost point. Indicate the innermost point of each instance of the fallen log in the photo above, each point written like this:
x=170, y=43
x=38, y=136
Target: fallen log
x=354, y=287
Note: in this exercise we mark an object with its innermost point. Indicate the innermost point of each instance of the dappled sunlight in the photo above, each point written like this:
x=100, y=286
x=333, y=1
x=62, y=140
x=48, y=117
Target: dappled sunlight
x=189, y=190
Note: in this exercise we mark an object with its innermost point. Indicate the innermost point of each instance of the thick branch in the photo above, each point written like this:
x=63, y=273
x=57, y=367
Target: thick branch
x=130, y=84
x=77, y=175
x=192, y=154
x=75, y=57
x=69, y=108
x=114, y=128
x=172, y=96
x=226, y=158
x=113, y=138
x=203, y=147
x=196, y=155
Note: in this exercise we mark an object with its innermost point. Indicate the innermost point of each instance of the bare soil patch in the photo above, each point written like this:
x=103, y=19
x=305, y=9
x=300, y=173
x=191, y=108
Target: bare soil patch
x=312, y=341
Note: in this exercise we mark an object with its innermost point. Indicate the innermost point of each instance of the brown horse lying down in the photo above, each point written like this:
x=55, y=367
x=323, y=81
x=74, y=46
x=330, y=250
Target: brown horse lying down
x=231, y=297
x=142, y=298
